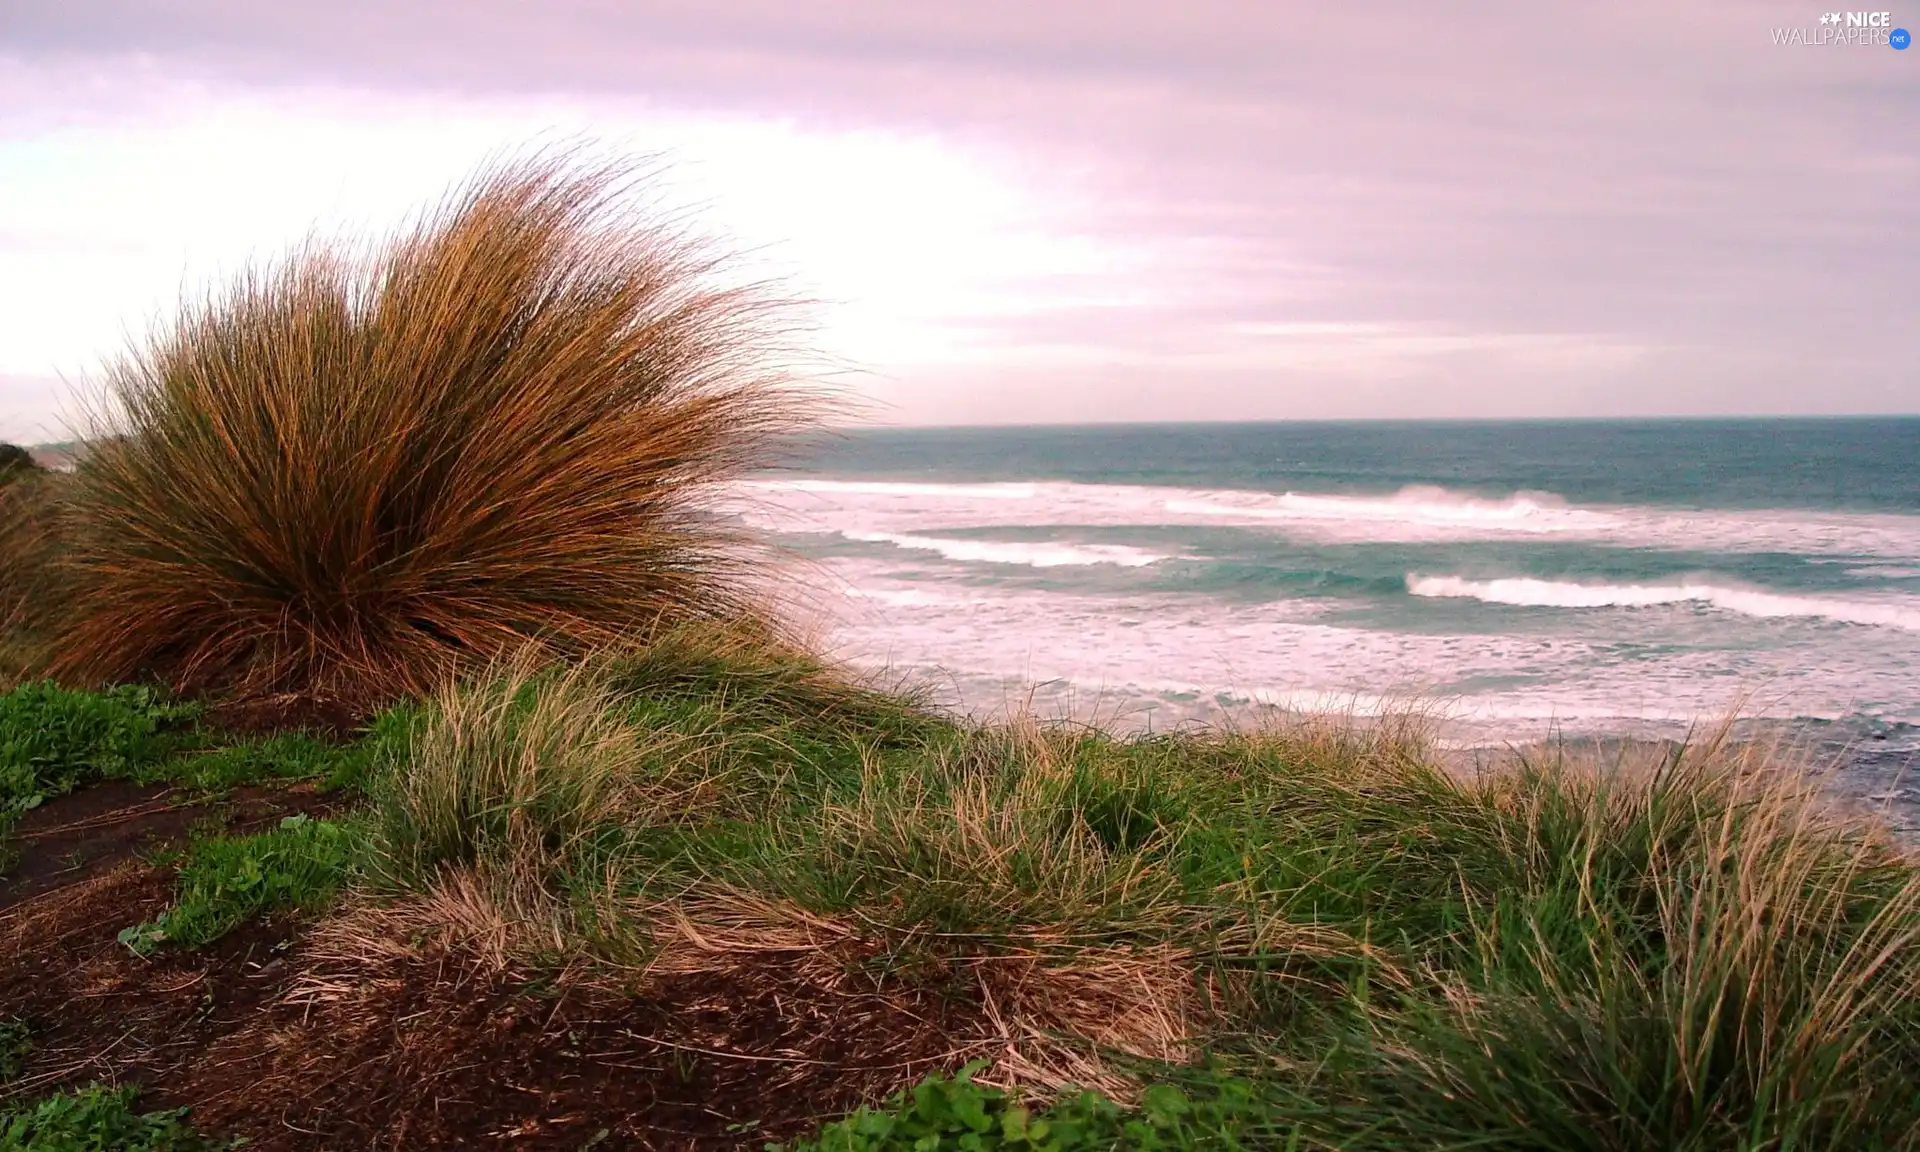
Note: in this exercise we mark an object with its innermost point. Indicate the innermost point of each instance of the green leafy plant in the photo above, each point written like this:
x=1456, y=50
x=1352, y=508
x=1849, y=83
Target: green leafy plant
x=96, y=1119
x=16, y=1044
x=226, y=881
x=53, y=739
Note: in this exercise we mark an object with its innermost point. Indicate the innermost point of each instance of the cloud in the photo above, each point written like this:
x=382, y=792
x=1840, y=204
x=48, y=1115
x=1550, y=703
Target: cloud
x=1653, y=194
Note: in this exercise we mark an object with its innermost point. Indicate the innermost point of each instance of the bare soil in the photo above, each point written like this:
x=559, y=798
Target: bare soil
x=288, y=712
x=71, y=839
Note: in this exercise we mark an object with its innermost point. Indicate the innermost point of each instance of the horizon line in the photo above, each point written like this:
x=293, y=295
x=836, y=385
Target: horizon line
x=1696, y=418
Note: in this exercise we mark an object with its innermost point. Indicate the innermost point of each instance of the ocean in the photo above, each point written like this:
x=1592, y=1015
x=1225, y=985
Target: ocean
x=1518, y=580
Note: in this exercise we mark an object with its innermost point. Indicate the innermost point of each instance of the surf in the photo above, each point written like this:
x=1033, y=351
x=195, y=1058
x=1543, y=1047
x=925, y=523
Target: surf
x=1037, y=554
x=1530, y=592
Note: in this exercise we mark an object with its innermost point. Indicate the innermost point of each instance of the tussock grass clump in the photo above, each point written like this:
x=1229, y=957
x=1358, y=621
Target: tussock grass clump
x=1697, y=956
x=352, y=471
x=524, y=795
x=519, y=771
x=30, y=585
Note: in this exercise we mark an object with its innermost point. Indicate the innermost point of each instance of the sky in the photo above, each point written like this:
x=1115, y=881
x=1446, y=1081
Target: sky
x=1015, y=211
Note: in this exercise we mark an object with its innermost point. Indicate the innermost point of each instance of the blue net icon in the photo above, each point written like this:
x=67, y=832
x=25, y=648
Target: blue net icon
x=1899, y=38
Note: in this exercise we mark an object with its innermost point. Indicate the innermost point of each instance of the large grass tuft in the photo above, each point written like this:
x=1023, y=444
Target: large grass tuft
x=352, y=471
x=1700, y=956
x=30, y=585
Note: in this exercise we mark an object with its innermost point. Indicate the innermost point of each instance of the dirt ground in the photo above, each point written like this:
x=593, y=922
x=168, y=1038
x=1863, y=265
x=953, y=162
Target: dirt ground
x=288, y=712
x=72, y=838
x=429, y=1052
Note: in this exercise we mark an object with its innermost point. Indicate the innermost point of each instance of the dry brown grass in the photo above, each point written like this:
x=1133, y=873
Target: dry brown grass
x=352, y=472
x=30, y=584
x=1684, y=948
x=1050, y=1019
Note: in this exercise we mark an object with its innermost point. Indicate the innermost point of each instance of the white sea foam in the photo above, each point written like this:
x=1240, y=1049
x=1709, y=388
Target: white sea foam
x=906, y=605
x=1745, y=601
x=888, y=488
x=1414, y=506
x=1186, y=657
x=1413, y=514
x=1037, y=554
x=898, y=597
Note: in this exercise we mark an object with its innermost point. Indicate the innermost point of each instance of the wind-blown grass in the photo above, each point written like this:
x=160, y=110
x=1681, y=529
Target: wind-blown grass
x=1359, y=947
x=473, y=465
x=1698, y=958
x=1692, y=953
x=30, y=587
x=349, y=473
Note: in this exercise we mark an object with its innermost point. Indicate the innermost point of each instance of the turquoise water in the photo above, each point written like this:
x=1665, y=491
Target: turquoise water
x=1608, y=577
x=1867, y=464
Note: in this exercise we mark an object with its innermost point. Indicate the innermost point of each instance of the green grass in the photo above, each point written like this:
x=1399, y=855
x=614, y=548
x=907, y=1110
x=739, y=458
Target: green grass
x=55, y=739
x=16, y=1045
x=1684, y=954
x=1310, y=936
x=52, y=739
x=489, y=443
x=226, y=881
x=281, y=757
x=96, y=1119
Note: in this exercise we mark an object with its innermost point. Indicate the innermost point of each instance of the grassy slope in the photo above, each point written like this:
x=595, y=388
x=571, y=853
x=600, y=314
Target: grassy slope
x=1311, y=938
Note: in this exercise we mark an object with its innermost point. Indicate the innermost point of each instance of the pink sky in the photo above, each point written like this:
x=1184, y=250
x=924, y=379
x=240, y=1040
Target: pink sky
x=1050, y=212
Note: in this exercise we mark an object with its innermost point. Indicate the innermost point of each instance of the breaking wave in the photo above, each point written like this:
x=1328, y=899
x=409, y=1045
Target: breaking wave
x=1528, y=592
x=1412, y=514
x=1423, y=506
x=1037, y=554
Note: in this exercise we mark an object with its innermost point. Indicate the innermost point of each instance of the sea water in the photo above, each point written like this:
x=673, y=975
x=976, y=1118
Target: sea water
x=1517, y=579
